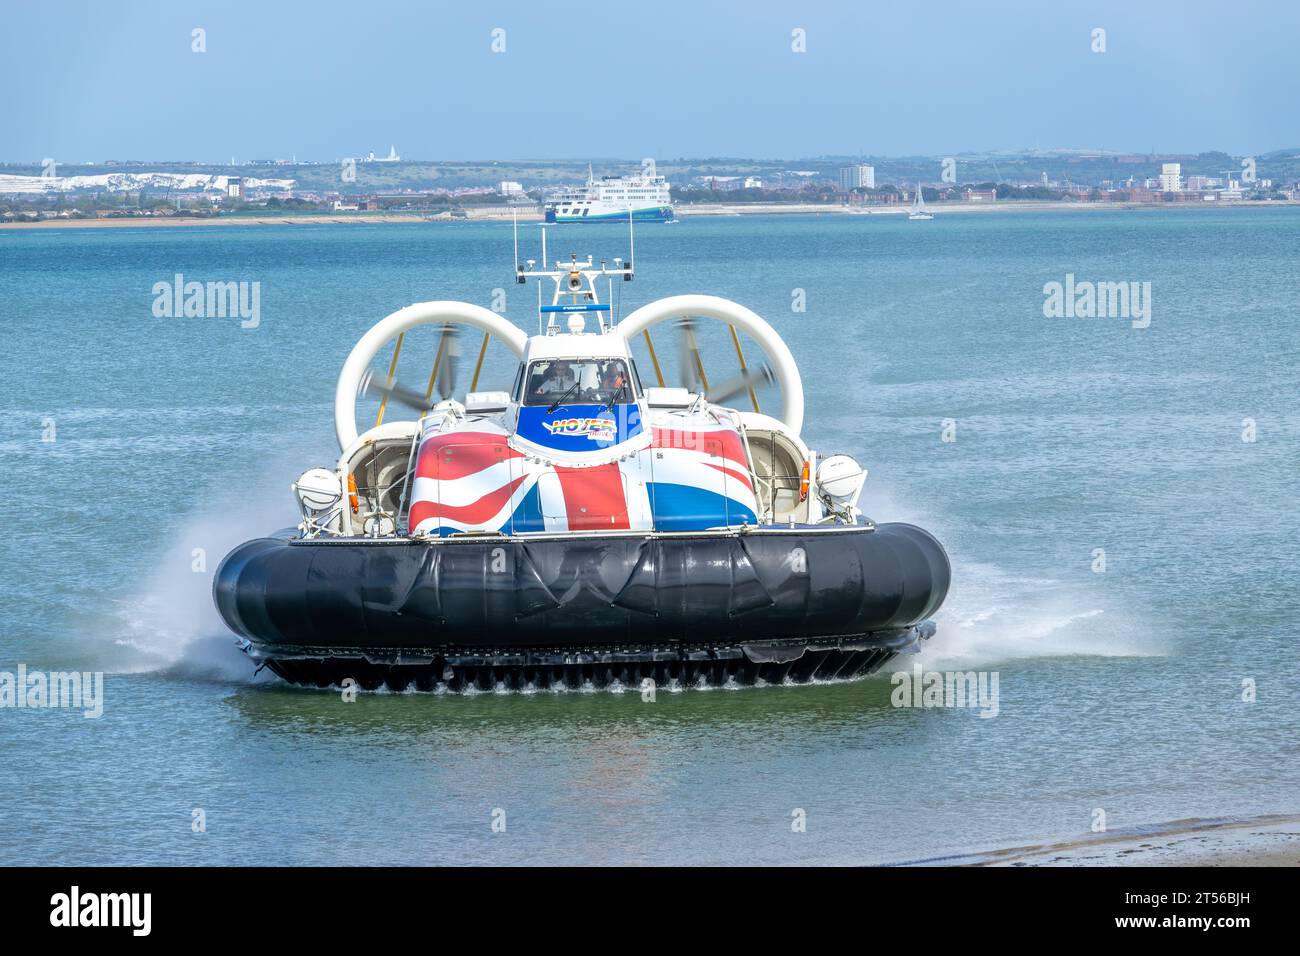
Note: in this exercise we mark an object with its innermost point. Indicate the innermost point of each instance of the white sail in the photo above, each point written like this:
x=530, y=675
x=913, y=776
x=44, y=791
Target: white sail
x=918, y=206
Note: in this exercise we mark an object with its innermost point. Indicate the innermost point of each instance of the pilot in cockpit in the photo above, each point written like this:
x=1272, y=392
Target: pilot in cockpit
x=558, y=379
x=611, y=377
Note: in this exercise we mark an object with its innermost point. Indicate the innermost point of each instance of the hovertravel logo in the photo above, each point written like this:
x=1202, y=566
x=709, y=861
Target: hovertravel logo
x=597, y=429
x=67, y=690
x=1098, y=300
x=208, y=300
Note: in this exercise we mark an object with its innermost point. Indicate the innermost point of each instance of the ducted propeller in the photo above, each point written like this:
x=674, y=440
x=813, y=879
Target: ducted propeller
x=397, y=393
x=745, y=382
x=443, y=376
x=693, y=378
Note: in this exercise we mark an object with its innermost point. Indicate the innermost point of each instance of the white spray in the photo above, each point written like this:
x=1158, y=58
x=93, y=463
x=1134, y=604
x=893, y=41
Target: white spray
x=992, y=615
x=171, y=623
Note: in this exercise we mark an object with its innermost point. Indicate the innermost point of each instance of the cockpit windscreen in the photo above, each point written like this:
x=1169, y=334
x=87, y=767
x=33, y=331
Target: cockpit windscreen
x=579, y=381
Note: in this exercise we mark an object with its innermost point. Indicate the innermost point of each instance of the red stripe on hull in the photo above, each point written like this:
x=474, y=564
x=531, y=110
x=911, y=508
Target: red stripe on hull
x=480, y=511
x=600, y=491
x=723, y=442
x=732, y=473
x=448, y=457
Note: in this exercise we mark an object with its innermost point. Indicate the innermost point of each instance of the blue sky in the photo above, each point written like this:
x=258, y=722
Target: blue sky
x=327, y=79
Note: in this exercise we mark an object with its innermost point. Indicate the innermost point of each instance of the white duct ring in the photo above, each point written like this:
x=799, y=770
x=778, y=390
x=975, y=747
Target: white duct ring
x=733, y=313
x=421, y=313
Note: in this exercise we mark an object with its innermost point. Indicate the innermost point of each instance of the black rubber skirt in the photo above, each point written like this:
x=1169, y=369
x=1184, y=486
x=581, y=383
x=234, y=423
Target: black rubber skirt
x=772, y=604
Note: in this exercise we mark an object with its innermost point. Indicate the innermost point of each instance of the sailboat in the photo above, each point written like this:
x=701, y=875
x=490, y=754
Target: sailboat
x=918, y=206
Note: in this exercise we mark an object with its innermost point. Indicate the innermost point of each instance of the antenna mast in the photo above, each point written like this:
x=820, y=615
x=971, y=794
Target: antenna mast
x=575, y=280
x=631, y=246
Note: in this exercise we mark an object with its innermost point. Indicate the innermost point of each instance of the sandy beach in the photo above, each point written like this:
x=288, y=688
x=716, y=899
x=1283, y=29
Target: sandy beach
x=1257, y=841
x=497, y=214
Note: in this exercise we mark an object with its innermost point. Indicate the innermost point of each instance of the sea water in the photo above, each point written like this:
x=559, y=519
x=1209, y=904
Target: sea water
x=1119, y=504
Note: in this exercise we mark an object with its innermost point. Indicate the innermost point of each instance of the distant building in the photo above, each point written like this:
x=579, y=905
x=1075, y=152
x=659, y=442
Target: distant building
x=980, y=195
x=235, y=187
x=859, y=176
x=1171, y=178
x=1138, y=194
x=876, y=199
x=726, y=184
x=511, y=188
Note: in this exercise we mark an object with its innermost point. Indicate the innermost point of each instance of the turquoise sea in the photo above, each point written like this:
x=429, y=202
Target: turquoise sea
x=169, y=440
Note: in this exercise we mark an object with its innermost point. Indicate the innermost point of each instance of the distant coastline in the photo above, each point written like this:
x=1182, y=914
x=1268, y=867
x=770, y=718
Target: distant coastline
x=498, y=214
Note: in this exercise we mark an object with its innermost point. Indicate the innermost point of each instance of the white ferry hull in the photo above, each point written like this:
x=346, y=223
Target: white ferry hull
x=597, y=212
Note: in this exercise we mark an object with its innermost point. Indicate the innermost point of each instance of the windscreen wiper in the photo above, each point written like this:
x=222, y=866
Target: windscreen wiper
x=560, y=401
x=616, y=396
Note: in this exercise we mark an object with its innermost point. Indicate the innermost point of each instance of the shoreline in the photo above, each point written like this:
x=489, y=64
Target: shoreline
x=683, y=212
x=1271, y=840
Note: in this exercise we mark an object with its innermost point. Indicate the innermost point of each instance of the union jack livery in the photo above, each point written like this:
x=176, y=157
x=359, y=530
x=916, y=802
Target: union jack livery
x=583, y=524
x=680, y=479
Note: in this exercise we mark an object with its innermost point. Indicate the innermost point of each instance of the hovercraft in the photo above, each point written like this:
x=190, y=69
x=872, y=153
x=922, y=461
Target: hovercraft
x=584, y=526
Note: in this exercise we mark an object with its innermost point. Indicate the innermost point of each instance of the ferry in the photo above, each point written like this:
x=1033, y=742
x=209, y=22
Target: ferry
x=581, y=523
x=644, y=198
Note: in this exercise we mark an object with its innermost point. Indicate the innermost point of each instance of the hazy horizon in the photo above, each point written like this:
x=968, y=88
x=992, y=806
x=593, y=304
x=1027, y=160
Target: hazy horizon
x=327, y=80
x=257, y=158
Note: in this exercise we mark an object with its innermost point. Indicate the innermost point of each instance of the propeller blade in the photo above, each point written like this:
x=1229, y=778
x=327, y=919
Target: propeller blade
x=395, y=392
x=691, y=365
x=734, y=386
x=450, y=362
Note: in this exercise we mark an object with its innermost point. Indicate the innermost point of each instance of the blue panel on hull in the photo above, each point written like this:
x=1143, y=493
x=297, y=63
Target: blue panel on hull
x=528, y=516
x=683, y=508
